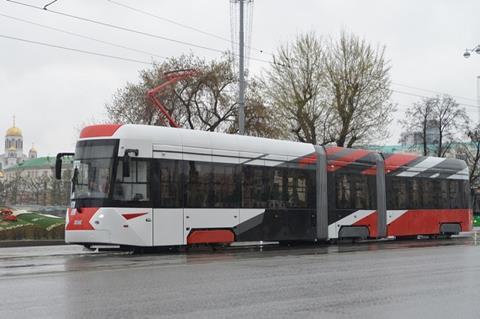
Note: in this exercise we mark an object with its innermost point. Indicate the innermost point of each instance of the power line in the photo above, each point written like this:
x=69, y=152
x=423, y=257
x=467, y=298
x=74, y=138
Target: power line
x=118, y=27
x=184, y=25
x=424, y=96
x=176, y=41
x=179, y=24
x=113, y=26
x=82, y=36
x=73, y=49
x=432, y=91
x=168, y=20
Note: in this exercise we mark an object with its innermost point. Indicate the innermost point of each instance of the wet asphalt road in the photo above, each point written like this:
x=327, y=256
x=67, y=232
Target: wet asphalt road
x=415, y=279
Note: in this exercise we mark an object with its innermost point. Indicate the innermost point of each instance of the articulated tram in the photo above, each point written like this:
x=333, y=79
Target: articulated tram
x=144, y=186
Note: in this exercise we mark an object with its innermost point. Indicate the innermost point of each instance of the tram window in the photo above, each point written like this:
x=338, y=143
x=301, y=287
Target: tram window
x=360, y=194
x=297, y=188
x=226, y=188
x=428, y=194
x=199, y=184
x=443, y=194
x=167, y=180
x=277, y=184
x=454, y=194
x=353, y=192
x=414, y=192
x=254, y=187
x=398, y=196
x=343, y=191
x=136, y=186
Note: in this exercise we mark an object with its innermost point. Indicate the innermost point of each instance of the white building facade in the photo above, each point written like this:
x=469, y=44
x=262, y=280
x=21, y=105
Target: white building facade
x=14, y=149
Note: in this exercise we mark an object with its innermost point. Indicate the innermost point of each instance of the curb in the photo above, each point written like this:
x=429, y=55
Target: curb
x=26, y=243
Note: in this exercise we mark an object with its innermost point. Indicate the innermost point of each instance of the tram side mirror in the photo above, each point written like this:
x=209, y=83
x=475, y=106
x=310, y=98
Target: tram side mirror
x=58, y=164
x=127, y=161
x=74, y=179
x=58, y=168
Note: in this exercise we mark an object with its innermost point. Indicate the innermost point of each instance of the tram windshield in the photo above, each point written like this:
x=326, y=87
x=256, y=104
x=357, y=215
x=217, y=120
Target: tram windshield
x=92, y=169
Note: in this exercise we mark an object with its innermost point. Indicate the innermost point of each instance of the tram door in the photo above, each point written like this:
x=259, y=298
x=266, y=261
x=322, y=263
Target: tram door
x=167, y=194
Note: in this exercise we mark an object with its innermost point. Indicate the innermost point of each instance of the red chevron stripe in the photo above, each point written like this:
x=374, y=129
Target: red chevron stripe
x=333, y=165
x=132, y=215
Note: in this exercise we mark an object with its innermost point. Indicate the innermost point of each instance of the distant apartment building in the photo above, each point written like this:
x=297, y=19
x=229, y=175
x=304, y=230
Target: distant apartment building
x=416, y=137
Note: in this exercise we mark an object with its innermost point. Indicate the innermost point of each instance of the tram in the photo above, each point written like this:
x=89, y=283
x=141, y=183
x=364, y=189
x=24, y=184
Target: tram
x=149, y=186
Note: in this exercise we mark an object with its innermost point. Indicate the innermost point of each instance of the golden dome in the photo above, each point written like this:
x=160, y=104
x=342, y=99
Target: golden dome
x=14, y=131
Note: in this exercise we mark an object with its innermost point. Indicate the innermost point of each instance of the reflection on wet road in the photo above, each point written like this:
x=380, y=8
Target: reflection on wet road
x=418, y=279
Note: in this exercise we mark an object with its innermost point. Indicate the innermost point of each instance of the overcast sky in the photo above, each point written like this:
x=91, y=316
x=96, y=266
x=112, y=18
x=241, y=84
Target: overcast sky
x=54, y=92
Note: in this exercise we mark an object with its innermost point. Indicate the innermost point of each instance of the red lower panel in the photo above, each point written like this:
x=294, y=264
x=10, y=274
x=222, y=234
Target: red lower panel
x=425, y=222
x=371, y=222
x=210, y=236
x=80, y=220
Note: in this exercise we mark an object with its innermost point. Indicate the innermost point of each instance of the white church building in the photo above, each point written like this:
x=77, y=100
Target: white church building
x=14, y=149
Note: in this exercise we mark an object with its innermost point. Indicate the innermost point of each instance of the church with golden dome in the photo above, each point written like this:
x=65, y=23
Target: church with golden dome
x=14, y=148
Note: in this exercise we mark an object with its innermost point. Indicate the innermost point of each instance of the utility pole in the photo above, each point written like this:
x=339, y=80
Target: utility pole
x=241, y=73
x=478, y=97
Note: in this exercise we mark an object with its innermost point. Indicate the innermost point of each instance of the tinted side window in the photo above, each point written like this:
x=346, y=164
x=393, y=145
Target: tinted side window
x=414, y=191
x=454, y=194
x=398, y=195
x=136, y=187
x=343, y=189
x=277, y=181
x=352, y=191
x=255, y=187
x=428, y=193
x=199, y=184
x=226, y=188
x=297, y=188
x=443, y=194
x=168, y=185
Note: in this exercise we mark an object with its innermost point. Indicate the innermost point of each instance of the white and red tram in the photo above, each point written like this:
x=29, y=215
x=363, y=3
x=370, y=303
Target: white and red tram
x=144, y=186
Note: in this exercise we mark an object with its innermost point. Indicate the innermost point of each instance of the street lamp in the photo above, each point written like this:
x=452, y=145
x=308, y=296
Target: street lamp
x=468, y=52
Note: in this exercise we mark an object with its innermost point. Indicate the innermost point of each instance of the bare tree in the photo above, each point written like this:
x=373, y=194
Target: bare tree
x=470, y=152
x=14, y=188
x=35, y=188
x=206, y=101
x=295, y=87
x=417, y=120
x=449, y=118
x=357, y=77
x=331, y=91
x=2, y=192
x=438, y=120
x=261, y=119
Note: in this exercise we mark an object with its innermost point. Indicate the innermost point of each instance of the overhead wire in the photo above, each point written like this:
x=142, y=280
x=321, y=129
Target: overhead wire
x=74, y=49
x=82, y=36
x=131, y=30
x=167, y=39
x=424, y=96
x=433, y=91
x=129, y=7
